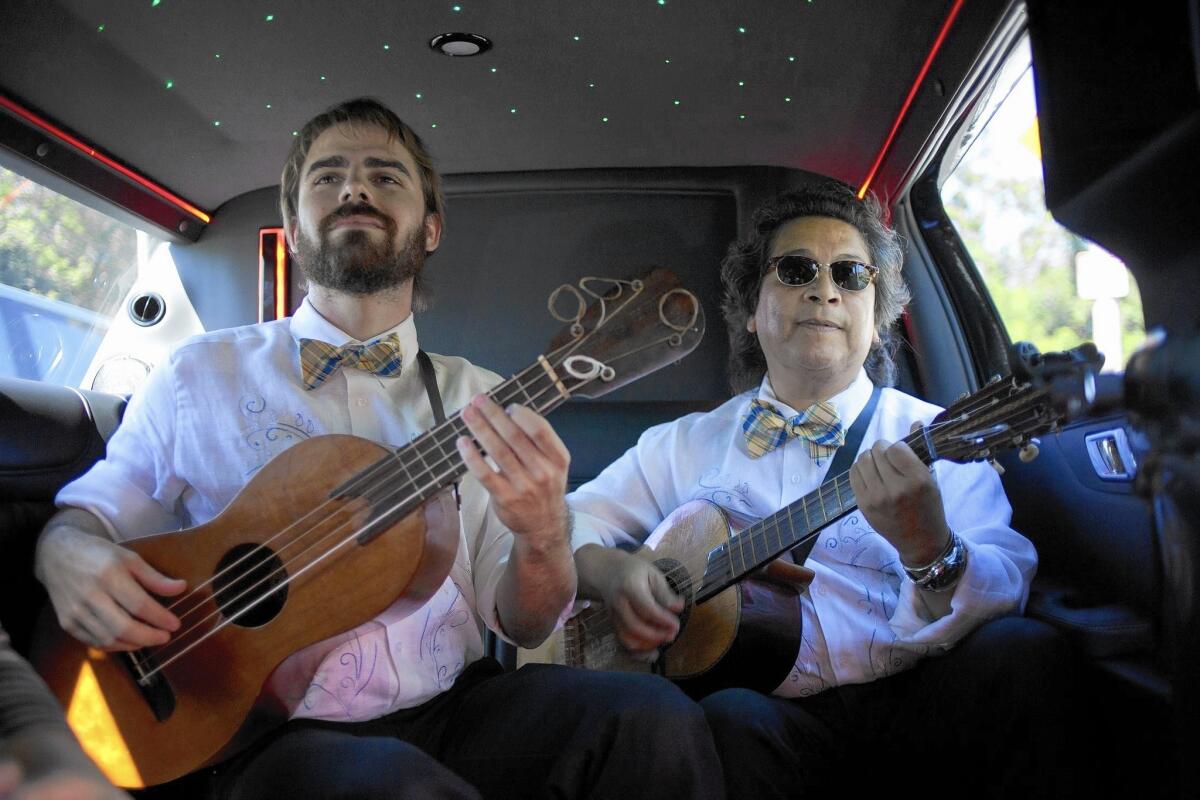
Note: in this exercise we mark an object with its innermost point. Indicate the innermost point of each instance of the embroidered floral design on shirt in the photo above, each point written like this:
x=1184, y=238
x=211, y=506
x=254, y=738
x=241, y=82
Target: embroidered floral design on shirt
x=434, y=637
x=727, y=491
x=272, y=433
x=359, y=659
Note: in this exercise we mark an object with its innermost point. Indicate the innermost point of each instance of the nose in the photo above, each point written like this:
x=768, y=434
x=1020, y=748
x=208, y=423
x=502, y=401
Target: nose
x=823, y=289
x=355, y=189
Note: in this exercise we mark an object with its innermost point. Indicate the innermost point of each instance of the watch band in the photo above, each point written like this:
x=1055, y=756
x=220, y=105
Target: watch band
x=942, y=573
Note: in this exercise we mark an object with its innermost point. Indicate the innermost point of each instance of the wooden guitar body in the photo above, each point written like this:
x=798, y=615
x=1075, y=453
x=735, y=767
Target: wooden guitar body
x=296, y=509
x=747, y=635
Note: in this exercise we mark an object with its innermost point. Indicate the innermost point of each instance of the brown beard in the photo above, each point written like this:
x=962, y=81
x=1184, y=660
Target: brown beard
x=359, y=265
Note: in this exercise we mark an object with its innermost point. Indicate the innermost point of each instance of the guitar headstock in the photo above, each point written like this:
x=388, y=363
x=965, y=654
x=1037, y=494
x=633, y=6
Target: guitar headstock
x=1043, y=391
x=619, y=330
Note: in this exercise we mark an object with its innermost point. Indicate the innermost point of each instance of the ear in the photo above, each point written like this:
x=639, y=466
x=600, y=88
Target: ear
x=751, y=324
x=290, y=229
x=433, y=232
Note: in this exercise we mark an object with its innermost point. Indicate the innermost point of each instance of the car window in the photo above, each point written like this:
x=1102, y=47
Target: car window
x=65, y=271
x=1050, y=286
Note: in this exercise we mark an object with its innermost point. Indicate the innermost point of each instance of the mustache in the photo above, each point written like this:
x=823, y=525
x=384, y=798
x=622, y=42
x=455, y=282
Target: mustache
x=353, y=210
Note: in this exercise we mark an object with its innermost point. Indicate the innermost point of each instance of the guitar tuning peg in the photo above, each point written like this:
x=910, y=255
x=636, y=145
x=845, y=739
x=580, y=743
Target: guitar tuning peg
x=962, y=396
x=996, y=379
x=996, y=465
x=1028, y=453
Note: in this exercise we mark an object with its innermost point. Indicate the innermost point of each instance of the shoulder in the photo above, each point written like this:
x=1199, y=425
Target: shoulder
x=260, y=334
x=895, y=403
x=460, y=373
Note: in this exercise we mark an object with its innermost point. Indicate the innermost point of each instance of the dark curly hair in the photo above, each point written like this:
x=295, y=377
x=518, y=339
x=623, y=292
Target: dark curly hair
x=744, y=264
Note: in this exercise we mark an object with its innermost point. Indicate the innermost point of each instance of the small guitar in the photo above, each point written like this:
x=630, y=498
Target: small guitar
x=326, y=536
x=739, y=630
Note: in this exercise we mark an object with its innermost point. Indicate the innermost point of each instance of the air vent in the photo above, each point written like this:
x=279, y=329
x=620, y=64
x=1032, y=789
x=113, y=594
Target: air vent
x=147, y=309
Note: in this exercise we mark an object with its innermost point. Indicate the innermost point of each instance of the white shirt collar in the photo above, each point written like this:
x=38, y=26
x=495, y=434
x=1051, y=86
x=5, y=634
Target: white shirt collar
x=849, y=402
x=307, y=323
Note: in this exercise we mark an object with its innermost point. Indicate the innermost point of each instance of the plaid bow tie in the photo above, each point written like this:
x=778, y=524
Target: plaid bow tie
x=765, y=429
x=319, y=360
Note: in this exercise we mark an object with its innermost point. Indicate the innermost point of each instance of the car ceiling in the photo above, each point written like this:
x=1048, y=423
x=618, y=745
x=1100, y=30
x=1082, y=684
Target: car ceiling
x=815, y=85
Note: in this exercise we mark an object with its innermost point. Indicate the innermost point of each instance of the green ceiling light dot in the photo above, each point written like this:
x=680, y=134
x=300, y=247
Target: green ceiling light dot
x=456, y=9
x=419, y=95
x=676, y=102
x=216, y=123
x=493, y=69
x=741, y=83
x=666, y=61
x=268, y=105
x=154, y=3
x=576, y=38
x=170, y=84
x=662, y=2
x=434, y=125
x=387, y=47
x=322, y=77
x=604, y=119
x=270, y=17
x=216, y=55
x=591, y=86
x=787, y=99
x=512, y=110
x=741, y=116
x=295, y=133
x=741, y=29
x=100, y=29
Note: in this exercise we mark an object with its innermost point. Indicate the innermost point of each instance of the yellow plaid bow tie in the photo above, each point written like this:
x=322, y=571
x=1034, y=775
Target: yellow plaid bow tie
x=319, y=360
x=765, y=429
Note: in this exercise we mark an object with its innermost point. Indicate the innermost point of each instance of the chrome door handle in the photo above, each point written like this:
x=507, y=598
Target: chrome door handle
x=1111, y=455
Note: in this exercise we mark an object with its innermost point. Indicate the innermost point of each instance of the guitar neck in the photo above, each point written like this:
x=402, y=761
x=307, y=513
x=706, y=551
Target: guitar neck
x=792, y=526
x=403, y=480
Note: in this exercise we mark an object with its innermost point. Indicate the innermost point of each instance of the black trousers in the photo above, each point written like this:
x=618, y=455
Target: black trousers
x=540, y=732
x=988, y=719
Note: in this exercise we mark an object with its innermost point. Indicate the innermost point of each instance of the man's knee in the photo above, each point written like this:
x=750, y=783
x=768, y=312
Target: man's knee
x=330, y=764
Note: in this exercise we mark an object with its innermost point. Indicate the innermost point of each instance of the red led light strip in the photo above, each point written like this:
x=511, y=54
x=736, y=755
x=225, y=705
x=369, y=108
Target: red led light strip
x=281, y=277
x=912, y=93
x=88, y=150
x=273, y=263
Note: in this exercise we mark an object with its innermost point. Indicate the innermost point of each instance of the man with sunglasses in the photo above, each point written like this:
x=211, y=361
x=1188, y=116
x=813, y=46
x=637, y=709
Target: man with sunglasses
x=928, y=565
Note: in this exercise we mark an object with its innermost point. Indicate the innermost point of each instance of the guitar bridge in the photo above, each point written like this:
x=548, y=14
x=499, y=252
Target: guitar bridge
x=157, y=693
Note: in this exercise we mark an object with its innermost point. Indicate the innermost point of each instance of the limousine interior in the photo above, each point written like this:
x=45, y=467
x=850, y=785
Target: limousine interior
x=141, y=145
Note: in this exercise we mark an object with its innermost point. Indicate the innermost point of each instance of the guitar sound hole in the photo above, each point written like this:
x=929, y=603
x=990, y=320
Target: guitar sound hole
x=250, y=592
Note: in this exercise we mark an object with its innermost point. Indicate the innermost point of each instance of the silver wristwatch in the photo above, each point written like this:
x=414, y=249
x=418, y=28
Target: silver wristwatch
x=942, y=573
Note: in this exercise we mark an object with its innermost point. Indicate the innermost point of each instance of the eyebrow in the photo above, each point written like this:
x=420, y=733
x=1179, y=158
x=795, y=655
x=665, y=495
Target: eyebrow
x=371, y=161
x=804, y=251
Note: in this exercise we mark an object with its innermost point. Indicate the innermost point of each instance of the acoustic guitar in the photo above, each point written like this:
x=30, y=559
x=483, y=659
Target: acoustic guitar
x=740, y=630
x=325, y=537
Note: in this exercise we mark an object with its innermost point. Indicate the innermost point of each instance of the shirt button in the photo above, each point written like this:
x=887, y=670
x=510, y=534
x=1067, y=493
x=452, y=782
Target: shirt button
x=795, y=479
x=362, y=402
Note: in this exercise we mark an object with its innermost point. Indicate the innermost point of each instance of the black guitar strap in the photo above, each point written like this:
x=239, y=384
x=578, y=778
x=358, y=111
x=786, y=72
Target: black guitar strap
x=435, y=399
x=842, y=460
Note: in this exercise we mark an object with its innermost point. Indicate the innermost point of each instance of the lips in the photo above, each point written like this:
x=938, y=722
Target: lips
x=360, y=221
x=820, y=325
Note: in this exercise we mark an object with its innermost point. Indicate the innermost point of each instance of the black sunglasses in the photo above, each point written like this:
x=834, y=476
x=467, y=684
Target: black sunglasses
x=797, y=270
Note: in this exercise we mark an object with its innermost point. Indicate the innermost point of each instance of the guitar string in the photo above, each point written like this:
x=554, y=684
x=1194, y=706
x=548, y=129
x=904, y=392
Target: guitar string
x=606, y=315
x=178, y=639
x=603, y=624
x=446, y=456
x=380, y=472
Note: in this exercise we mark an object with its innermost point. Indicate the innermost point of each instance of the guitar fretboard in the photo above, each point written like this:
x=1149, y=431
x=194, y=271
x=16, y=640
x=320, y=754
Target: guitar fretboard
x=790, y=527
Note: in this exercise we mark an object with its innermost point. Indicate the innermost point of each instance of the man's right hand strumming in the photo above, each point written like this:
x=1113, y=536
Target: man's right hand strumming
x=101, y=591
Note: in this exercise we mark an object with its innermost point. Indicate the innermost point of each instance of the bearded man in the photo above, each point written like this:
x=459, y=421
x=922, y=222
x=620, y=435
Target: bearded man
x=404, y=705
